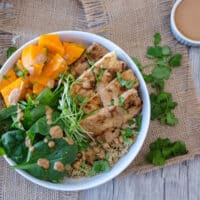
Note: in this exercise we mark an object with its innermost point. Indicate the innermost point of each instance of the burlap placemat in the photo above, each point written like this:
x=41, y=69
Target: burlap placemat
x=131, y=24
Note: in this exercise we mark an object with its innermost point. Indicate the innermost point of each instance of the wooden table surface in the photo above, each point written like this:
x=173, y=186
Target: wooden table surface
x=178, y=182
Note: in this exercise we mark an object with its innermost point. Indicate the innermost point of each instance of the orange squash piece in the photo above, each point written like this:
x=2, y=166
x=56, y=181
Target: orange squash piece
x=37, y=88
x=55, y=66
x=72, y=52
x=13, y=92
x=52, y=43
x=20, y=65
x=8, y=78
x=33, y=59
x=51, y=70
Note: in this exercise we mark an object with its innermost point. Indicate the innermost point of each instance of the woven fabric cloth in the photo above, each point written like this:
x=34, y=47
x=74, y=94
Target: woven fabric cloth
x=130, y=24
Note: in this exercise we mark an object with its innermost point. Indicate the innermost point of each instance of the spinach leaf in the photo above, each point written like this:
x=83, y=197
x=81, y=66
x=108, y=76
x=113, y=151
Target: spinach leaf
x=47, y=97
x=40, y=126
x=62, y=152
x=32, y=115
x=7, y=112
x=5, y=125
x=14, y=145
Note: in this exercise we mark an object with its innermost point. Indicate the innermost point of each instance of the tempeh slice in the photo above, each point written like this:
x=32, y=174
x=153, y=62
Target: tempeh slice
x=94, y=52
x=114, y=116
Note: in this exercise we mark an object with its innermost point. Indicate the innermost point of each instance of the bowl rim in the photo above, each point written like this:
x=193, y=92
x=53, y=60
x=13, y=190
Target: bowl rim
x=133, y=149
x=175, y=28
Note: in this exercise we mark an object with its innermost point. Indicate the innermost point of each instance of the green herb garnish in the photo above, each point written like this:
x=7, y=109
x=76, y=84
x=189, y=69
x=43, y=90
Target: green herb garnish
x=126, y=134
x=87, y=56
x=20, y=73
x=112, y=102
x=10, y=51
x=157, y=39
x=139, y=122
x=121, y=101
x=99, y=166
x=6, y=77
x=128, y=84
x=100, y=74
x=162, y=103
x=161, y=108
x=162, y=149
x=71, y=113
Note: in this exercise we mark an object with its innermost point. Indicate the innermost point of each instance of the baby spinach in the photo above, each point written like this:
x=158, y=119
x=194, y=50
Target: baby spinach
x=7, y=112
x=5, y=125
x=32, y=115
x=14, y=145
x=40, y=126
x=49, y=98
x=62, y=152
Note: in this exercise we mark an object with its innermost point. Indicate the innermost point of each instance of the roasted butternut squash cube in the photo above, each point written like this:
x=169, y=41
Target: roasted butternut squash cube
x=8, y=78
x=72, y=52
x=20, y=65
x=51, y=71
x=13, y=92
x=37, y=88
x=55, y=66
x=33, y=59
x=52, y=43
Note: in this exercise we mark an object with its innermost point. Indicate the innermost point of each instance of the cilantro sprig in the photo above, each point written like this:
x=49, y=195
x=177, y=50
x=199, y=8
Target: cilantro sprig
x=10, y=51
x=164, y=61
x=128, y=84
x=162, y=149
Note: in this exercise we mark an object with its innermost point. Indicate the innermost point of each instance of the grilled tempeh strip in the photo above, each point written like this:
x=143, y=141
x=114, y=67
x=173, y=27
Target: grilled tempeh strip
x=86, y=84
x=94, y=53
x=113, y=116
x=109, y=93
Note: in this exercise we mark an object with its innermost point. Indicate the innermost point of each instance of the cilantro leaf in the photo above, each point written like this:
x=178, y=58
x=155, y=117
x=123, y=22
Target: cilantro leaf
x=171, y=119
x=128, y=84
x=87, y=56
x=139, y=122
x=166, y=51
x=99, y=166
x=161, y=72
x=100, y=74
x=128, y=133
x=157, y=39
x=148, y=78
x=121, y=101
x=162, y=149
x=161, y=108
x=112, y=102
x=10, y=51
x=175, y=60
x=154, y=52
x=138, y=64
x=158, y=84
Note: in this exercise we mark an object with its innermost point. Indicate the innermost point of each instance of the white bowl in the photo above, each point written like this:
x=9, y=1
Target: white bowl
x=177, y=34
x=122, y=164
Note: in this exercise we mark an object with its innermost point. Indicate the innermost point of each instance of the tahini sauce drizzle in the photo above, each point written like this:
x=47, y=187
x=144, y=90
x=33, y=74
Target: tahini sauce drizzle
x=187, y=18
